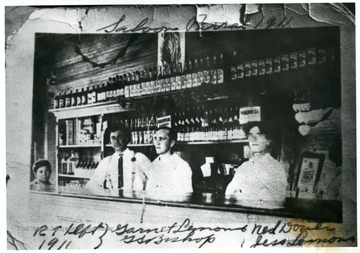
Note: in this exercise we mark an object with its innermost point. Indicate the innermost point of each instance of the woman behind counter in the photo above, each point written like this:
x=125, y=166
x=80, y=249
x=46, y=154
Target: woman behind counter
x=261, y=181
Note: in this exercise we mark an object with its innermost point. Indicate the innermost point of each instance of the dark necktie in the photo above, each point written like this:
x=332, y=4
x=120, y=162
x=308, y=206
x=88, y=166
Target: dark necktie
x=121, y=173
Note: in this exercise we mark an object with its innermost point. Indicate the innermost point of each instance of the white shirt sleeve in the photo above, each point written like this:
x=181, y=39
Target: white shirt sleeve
x=143, y=166
x=186, y=178
x=97, y=179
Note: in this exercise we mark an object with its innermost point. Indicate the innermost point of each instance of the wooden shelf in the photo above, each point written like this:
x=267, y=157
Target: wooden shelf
x=89, y=110
x=73, y=176
x=190, y=143
x=80, y=146
x=211, y=142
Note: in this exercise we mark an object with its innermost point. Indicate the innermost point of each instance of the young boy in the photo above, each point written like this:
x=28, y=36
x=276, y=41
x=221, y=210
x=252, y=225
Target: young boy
x=42, y=171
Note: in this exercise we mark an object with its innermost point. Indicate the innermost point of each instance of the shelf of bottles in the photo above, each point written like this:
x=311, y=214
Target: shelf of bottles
x=80, y=132
x=74, y=165
x=196, y=124
x=211, y=124
x=209, y=70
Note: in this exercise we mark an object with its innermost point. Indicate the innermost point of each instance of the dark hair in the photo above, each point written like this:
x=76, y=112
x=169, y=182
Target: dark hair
x=172, y=134
x=265, y=129
x=119, y=127
x=41, y=163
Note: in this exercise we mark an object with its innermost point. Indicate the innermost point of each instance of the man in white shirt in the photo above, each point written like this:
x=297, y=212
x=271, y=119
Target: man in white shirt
x=124, y=170
x=262, y=180
x=170, y=176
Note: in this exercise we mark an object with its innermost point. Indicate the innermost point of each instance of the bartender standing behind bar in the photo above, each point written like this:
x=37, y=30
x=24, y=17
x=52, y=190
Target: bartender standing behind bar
x=125, y=169
x=170, y=175
x=262, y=180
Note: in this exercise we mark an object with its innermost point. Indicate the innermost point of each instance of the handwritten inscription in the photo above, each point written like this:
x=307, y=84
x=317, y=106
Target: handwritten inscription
x=256, y=235
x=301, y=231
x=199, y=23
x=175, y=233
x=141, y=27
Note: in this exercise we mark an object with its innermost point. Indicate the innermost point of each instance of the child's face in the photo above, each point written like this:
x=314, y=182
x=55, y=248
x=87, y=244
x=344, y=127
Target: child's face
x=43, y=174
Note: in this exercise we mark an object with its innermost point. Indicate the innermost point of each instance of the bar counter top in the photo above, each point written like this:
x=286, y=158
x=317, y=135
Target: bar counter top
x=308, y=209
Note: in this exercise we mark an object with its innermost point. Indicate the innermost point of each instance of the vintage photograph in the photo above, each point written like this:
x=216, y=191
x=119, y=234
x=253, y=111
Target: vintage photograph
x=145, y=134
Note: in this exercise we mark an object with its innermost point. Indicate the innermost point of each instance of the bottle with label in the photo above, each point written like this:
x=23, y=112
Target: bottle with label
x=247, y=64
x=285, y=62
x=68, y=98
x=189, y=74
x=118, y=82
x=180, y=130
x=293, y=60
x=193, y=74
x=78, y=98
x=188, y=126
x=240, y=68
x=233, y=66
x=200, y=72
x=178, y=76
x=137, y=83
x=71, y=163
x=143, y=80
x=269, y=65
x=311, y=56
x=173, y=76
x=73, y=98
x=165, y=77
x=148, y=81
x=230, y=124
x=207, y=70
x=125, y=85
x=122, y=86
x=184, y=77
x=108, y=89
x=205, y=124
x=89, y=95
x=213, y=68
x=261, y=67
x=254, y=64
x=56, y=100
x=64, y=164
x=236, y=124
x=302, y=58
x=61, y=100
x=159, y=80
x=197, y=135
x=132, y=85
x=220, y=70
x=84, y=96
x=277, y=64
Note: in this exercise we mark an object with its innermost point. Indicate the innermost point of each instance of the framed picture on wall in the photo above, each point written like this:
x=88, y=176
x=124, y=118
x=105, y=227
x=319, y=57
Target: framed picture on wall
x=309, y=172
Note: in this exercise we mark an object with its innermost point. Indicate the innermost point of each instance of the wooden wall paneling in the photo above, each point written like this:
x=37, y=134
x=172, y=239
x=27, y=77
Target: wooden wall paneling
x=72, y=71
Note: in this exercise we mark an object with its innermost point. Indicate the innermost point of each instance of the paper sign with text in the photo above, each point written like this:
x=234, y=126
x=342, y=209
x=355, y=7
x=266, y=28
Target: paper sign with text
x=164, y=121
x=249, y=114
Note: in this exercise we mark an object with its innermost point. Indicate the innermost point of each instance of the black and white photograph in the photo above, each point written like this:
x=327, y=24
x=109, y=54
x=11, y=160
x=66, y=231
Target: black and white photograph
x=180, y=126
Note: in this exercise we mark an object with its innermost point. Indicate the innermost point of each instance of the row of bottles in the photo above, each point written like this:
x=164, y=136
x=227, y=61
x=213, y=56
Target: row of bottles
x=208, y=124
x=208, y=70
x=245, y=65
x=194, y=123
x=68, y=164
x=142, y=128
x=68, y=167
x=193, y=73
